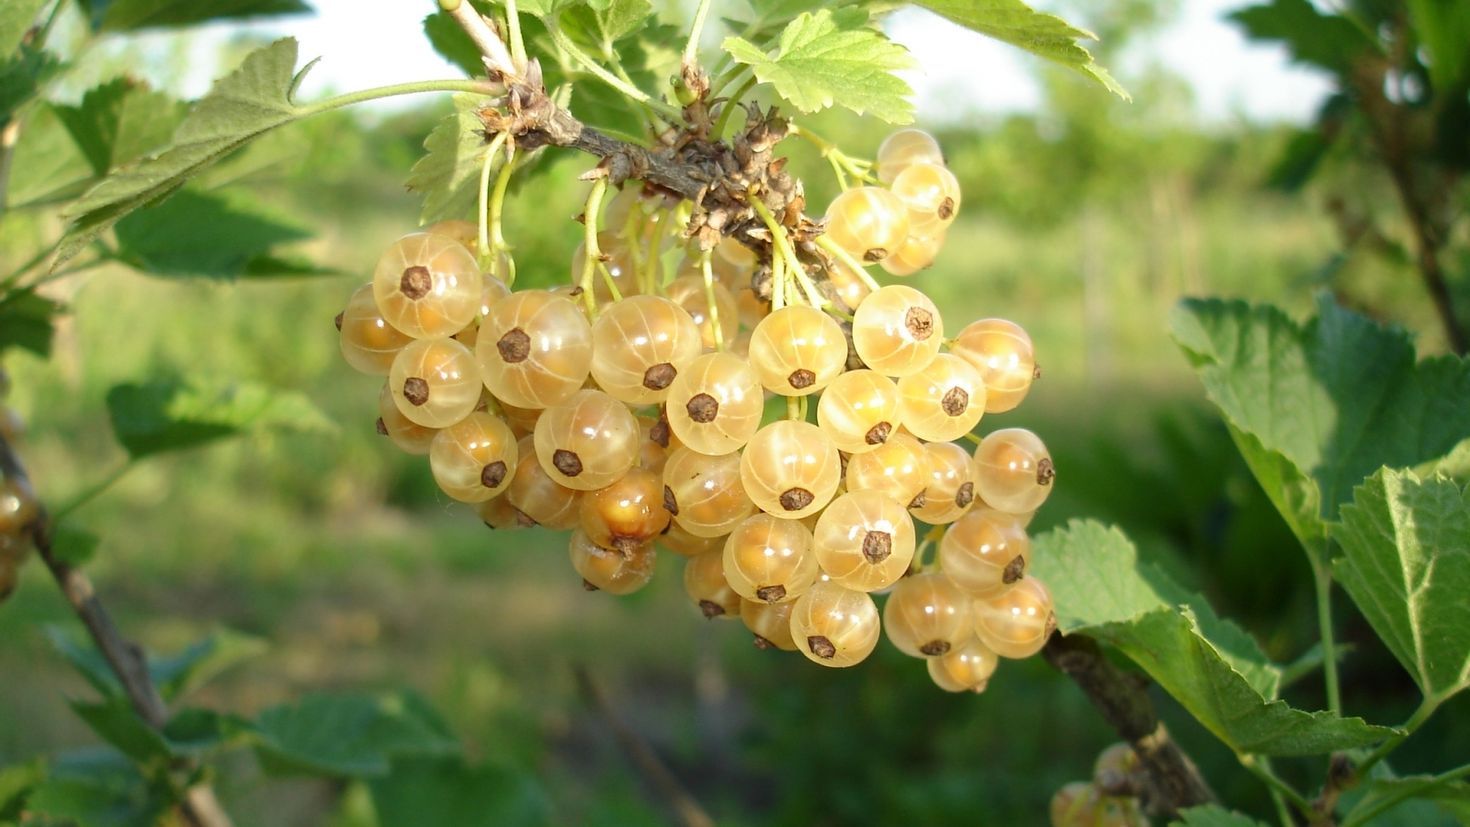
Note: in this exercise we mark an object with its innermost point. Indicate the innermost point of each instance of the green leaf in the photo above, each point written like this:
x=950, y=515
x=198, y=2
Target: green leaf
x=1016, y=23
x=349, y=735
x=447, y=791
x=47, y=165
x=128, y=15
x=98, y=789
x=1406, y=564
x=85, y=659
x=114, y=721
x=1452, y=796
x=449, y=39
x=1329, y=41
x=22, y=75
x=829, y=58
x=120, y=121
x=16, y=18
x=16, y=782
x=1211, y=815
x=241, y=106
x=448, y=176
x=26, y=322
x=1316, y=407
x=172, y=415
x=1443, y=27
x=202, y=662
x=72, y=545
x=225, y=235
x=607, y=24
x=1218, y=675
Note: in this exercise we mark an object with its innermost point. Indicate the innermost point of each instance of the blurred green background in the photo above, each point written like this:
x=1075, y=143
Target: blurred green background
x=1084, y=224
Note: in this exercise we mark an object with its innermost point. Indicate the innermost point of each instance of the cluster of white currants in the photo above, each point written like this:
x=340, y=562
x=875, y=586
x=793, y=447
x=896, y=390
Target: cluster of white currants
x=1108, y=800
x=639, y=420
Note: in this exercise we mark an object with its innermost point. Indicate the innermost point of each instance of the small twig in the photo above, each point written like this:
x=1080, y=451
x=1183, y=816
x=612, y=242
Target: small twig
x=496, y=56
x=1174, y=782
x=686, y=809
x=125, y=658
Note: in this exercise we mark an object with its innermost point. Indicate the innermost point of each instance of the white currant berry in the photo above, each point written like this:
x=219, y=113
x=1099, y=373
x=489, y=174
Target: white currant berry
x=927, y=615
x=864, y=540
x=1015, y=470
x=770, y=559
x=427, y=286
x=835, y=626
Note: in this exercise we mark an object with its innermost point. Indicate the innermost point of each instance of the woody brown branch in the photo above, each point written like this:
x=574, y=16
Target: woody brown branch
x=1172, y=781
x=125, y=658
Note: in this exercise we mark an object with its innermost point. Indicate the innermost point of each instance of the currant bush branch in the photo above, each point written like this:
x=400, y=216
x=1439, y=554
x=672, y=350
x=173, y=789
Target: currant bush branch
x=198, y=805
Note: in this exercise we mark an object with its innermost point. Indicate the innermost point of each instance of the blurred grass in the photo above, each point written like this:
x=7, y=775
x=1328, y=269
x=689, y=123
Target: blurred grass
x=341, y=553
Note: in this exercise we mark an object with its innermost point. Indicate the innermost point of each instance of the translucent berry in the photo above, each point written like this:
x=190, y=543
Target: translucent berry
x=17, y=506
x=368, y=342
x=848, y=286
x=714, y=406
x=640, y=345
x=540, y=497
x=619, y=263
x=534, y=349
x=466, y=233
x=864, y=540
x=903, y=149
x=797, y=350
x=704, y=582
x=521, y=420
x=587, y=442
x=474, y=459
x=689, y=293
x=735, y=254
x=409, y=436
x=897, y=330
x=790, y=469
x=1075, y=805
x=985, y=552
x=859, y=411
x=917, y=252
x=751, y=310
x=627, y=513
x=770, y=623
x=705, y=493
x=951, y=488
x=833, y=625
x=931, y=193
x=770, y=559
x=867, y=222
x=1114, y=766
x=927, y=615
x=435, y=382
x=1015, y=471
x=943, y=401
x=656, y=441
x=427, y=286
x=615, y=571
x=679, y=541
x=897, y=469
x=1003, y=354
x=499, y=514
x=965, y=668
x=1016, y=622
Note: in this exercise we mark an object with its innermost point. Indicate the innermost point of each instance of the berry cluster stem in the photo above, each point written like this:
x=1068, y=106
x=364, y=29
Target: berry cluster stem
x=592, y=253
x=831, y=248
x=782, y=245
x=709, y=299
x=484, y=212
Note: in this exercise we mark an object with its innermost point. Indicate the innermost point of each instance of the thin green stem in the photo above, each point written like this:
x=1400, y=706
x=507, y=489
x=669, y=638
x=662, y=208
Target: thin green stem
x=1409, y=727
x=973, y=438
x=1260, y=767
x=497, y=210
x=785, y=251
x=730, y=106
x=1322, y=578
x=1393, y=799
x=1283, y=812
x=846, y=258
x=589, y=244
x=778, y=283
x=92, y=491
x=484, y=222
x=691, y=49
x=478, y=87
x=709, y=299
x=629, y=90
x=517, y=45
x=793, y=408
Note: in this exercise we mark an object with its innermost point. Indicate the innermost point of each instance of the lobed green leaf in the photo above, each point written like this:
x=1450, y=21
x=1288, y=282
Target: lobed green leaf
x=1317, y=407
x=98, y=788
x=26, y=322
x=448, y=176
x=349, y=735
x=1212, y=815
x=130, y=15
x=16, y=18
x=120, y=121
x=833, y=58
x=1406, y=564
x=1045, y=35
x=1329, y=41
x=226, y=238
x=1209, y=665
x=241, y=106
x=172, y=415
x=449, y=791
